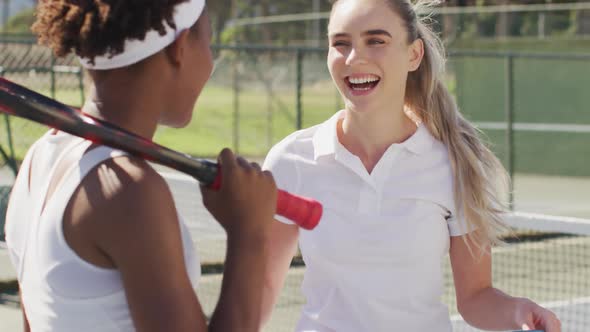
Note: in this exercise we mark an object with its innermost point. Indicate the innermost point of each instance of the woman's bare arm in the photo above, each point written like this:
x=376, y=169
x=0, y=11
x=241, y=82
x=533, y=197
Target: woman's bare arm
x=486, y=307
x=282, y=247
x=26, y=327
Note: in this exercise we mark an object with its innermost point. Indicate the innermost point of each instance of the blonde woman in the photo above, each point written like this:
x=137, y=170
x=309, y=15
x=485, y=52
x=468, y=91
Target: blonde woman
x=404, y=180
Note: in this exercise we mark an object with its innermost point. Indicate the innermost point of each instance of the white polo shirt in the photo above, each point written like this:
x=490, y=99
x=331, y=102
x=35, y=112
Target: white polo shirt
x=374, y=262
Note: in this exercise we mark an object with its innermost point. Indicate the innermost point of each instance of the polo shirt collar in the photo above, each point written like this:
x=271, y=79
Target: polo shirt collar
x=325, y=139
x=420, y=141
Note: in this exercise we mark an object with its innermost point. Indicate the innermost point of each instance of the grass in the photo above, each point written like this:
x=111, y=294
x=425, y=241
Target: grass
x=262, y=121
x=212, y=127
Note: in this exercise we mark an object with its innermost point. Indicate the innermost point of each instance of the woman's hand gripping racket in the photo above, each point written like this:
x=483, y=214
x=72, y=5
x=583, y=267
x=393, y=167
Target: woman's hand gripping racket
x=19, y=101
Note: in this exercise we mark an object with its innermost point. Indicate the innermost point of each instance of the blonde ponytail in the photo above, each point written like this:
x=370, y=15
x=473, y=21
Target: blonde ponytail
x=479, y=177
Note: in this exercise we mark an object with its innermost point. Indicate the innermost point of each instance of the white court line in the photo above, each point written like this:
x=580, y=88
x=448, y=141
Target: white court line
x=561, y=128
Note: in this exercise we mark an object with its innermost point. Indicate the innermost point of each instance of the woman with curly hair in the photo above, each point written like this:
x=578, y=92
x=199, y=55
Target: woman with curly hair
x=93, y=232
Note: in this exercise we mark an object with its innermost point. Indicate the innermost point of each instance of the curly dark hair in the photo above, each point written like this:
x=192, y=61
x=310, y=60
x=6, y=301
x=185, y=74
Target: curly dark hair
x=92, y=28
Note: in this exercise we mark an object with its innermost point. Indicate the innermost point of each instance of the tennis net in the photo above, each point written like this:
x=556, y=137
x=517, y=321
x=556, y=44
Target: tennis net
x=548, y=260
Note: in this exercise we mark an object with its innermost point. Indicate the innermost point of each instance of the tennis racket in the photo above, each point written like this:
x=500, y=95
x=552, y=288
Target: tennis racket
x=19, y=101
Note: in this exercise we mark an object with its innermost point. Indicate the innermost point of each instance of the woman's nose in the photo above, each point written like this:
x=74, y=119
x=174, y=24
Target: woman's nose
x=356, y=56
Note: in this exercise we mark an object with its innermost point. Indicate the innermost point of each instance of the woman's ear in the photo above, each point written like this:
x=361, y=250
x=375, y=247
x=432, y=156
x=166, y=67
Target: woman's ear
x=416, y=54
x=175, y=51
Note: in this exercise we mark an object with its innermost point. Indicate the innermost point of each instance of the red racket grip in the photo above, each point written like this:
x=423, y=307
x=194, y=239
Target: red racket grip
x=303, y=211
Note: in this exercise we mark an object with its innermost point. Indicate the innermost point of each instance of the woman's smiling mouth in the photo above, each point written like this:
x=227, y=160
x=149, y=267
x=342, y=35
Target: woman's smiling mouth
x=362, y=84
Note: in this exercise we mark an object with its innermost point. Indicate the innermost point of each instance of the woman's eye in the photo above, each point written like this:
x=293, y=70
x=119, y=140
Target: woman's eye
x=376, y=42
x=339, y=43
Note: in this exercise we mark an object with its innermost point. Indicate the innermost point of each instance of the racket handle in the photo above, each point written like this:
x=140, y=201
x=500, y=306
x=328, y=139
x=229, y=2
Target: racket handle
x=303, y=211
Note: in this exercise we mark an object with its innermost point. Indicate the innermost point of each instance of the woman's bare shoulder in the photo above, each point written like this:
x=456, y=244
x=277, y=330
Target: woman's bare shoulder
x=122, y=194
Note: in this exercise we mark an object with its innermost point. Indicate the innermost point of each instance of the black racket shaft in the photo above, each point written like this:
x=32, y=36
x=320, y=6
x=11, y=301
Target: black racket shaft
x=44, y=110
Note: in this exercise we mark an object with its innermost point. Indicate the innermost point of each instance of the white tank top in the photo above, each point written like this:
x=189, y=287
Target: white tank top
x=61, y=291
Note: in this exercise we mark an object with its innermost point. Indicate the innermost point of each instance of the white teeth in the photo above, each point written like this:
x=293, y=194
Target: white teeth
x=363, y=79
x=361, y=89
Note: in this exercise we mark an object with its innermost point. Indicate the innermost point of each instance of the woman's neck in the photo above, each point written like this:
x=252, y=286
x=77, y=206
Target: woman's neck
x=369, y=134
x=125, y=104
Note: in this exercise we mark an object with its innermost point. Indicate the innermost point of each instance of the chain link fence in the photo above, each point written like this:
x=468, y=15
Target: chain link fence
x=532, y=107
x=26, y=63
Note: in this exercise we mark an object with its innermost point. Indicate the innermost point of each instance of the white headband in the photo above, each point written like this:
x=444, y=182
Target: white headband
x=185, y=16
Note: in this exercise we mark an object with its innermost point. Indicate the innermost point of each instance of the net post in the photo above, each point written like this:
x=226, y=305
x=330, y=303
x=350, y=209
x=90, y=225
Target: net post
x=10, y=159
x=509, y=109
x=80, y=74
x=236, y=106
x=52, y=73
x=299, y=70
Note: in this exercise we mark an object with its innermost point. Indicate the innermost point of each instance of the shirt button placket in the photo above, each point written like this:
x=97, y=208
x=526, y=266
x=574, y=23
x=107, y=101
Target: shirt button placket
x=368, y=202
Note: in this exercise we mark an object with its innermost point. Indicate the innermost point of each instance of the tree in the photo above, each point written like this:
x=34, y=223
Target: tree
x=220, y=12
x=21, y=22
